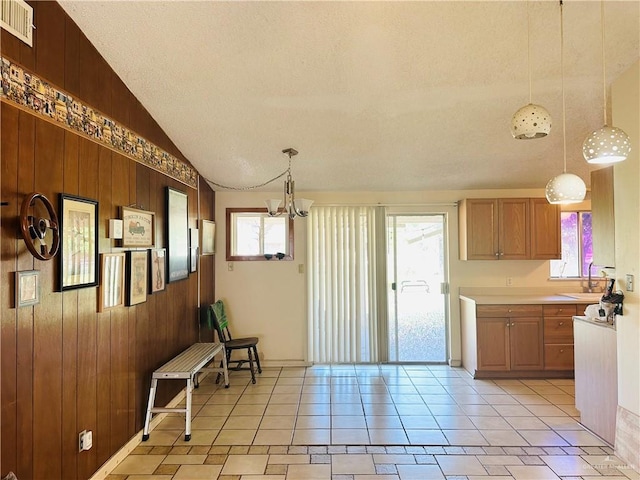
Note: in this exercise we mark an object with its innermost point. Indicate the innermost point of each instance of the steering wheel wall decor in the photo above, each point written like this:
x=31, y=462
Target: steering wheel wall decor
x=34, y=229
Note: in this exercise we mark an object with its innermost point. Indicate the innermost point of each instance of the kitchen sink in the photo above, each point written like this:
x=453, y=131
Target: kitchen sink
x=590, y=297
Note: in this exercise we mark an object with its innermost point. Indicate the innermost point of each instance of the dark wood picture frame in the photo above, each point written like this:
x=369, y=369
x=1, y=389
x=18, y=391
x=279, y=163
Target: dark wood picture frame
x=157, y=270
x=78, y=242
x=137, y=277
x=177, y=226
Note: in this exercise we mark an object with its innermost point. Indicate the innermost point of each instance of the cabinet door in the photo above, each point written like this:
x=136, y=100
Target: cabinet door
x=526, y=343
x=546, y=241
x=603, y=217
x=514, y=241
x=479, y=229
x=493, y=344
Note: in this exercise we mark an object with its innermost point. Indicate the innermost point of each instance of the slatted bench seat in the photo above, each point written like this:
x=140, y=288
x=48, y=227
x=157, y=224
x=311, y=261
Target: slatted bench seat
x=185, y=366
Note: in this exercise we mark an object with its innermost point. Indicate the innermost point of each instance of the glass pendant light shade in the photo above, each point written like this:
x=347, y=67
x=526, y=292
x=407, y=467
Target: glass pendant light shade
x=531, y=121
x=566, y=188
x=272, y=206
x=606, y=145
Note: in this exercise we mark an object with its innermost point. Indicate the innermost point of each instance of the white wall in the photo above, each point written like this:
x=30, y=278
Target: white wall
x=268, y=298
x=625, y=106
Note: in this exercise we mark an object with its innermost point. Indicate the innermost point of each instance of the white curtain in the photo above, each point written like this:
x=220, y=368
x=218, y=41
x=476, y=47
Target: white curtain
x=346, y=284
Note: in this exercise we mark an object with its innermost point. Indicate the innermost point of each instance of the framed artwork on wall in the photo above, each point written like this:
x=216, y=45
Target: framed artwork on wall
x=158, y=270
x=177, y=225
x=78, y=242
x=208, y=241
x=138, y=227
x=136, y=277
x=111, y=291
x=193, y=261
x=27, y=288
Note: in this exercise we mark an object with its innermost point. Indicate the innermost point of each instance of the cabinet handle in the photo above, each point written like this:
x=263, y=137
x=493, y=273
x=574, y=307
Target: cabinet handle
x=508, y=324
x=497, y=254
x=562, y=351
x=560, y=323
x=512, y=324
x=509, y=310
x=501, y=253
x=559, y=309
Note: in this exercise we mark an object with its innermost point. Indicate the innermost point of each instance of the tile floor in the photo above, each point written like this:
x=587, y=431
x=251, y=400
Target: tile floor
x=375, y=422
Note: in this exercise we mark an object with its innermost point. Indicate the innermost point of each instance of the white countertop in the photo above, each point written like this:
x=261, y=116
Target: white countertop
x=593, y=321
x=526, y=299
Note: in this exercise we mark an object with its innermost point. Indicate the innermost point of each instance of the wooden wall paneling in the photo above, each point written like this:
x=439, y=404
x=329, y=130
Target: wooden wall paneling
x=89, y=66
x=71, y=57
x=8, y=265
x=70, y=330
x=120, y=195
x=26, y=179
x=9, y=45
x=101, y=438
x=47, y=330
x=50, y=54
x=86, y=367
x=130, y=334
x=121, y=100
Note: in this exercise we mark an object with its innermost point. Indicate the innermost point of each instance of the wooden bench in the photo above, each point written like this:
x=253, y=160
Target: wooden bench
x=185, y=366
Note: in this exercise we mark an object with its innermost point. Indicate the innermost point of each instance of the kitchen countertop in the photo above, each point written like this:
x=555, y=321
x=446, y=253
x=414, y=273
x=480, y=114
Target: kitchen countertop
x=594, y=322
x=529, y=299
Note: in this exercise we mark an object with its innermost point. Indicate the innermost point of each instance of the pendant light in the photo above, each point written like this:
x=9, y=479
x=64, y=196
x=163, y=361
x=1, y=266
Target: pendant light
x=565, y=188
x=608, y=144
x=530, y=121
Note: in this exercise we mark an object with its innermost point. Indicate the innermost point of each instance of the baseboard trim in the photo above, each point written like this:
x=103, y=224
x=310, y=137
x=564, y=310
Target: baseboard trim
x=120, y=455
x=628, y=438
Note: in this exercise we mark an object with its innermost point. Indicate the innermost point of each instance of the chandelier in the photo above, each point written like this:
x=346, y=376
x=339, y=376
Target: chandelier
x=292, y=207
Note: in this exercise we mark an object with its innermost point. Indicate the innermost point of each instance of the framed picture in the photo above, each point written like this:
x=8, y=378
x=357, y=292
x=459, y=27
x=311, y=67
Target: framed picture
x=193, y=261
x=158, y=270
x=138, y=227
x=111, y=291
x=27, y=288
x=208, y=241
x=137, y=281
x=177, y=235
x=78, y=242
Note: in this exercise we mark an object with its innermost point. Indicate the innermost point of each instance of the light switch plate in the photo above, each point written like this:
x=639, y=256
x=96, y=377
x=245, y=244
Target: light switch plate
x=629, y=283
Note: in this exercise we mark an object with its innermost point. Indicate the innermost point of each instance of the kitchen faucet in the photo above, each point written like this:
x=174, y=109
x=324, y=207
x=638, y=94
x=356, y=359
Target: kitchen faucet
x=590, y=284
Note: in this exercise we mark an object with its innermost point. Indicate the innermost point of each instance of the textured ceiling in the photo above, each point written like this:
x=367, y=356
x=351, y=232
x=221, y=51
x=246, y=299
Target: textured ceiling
x=375, y=95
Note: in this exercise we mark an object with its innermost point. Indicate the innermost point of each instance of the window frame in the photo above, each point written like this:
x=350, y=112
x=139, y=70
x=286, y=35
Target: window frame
x=243, y=258
x=581, y=266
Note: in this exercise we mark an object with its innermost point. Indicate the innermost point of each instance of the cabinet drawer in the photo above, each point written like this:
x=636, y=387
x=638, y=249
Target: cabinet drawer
x=558, y=357
x=558, y=330
x=559, y=310
x=508, y=311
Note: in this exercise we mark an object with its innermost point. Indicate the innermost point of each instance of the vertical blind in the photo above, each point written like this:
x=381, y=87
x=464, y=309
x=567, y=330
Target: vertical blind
x=345, y=290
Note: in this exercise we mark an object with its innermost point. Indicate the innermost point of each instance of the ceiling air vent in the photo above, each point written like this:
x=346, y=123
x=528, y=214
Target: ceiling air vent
x=16, y=17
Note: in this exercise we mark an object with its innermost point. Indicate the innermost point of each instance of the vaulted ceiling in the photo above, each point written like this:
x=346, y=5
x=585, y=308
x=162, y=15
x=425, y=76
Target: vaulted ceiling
x=376, y=96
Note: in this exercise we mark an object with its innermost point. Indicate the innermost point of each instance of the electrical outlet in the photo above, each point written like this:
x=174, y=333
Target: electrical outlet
x=230, y=266
x=301, y=268
x=85, y=440
x=629, y=283
x=509, y=281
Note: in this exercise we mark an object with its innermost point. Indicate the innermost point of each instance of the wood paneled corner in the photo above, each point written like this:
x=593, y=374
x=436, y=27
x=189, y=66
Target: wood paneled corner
x=64, y=367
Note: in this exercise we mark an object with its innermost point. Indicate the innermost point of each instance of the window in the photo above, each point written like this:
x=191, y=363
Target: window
x=254, y=235
x=577, y=246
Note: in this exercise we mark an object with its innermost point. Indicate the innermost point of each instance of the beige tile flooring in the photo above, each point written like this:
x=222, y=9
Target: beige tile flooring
x=375, y=422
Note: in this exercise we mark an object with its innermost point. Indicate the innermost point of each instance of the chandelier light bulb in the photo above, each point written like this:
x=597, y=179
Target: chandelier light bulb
x=531, y=121
x=565, y=189
x=606, y=145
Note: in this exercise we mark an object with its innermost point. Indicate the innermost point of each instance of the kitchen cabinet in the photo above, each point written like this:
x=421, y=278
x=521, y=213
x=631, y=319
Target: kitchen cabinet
x=495, y=229
x=509, y=229
x=558, y=336
x=510, y=337
x=603, y=217
x=546, y=240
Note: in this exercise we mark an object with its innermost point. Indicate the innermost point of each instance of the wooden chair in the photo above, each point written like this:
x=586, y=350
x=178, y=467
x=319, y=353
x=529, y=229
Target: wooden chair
x=219, y=323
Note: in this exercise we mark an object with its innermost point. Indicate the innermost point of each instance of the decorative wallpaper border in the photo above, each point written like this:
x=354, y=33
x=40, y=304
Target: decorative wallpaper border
x=35, y=95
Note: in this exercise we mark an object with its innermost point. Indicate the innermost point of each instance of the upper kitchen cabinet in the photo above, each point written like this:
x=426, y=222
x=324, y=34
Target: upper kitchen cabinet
x=602, y=217
x=494, y=229
x=509, y=229
x=546, y=239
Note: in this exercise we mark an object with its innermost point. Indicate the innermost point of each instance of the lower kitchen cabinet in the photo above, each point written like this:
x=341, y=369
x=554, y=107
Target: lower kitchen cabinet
x=517, y=341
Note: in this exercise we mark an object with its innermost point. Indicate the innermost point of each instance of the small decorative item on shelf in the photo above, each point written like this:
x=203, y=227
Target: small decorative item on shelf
x=278, y=256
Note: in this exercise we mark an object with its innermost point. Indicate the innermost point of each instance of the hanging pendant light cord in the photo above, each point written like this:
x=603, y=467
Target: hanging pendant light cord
x=529, y=50
x=604, y=63
x=251, y=187
x=564, y=125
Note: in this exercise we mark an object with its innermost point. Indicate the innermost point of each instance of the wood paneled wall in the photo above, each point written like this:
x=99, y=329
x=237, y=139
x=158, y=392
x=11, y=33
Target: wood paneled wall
x=64, y=367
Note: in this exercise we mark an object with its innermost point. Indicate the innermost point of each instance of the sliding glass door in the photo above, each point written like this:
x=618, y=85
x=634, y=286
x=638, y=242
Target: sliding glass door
x=417, y=314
